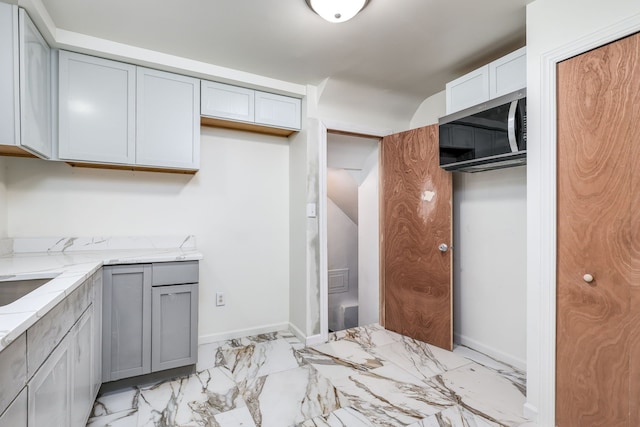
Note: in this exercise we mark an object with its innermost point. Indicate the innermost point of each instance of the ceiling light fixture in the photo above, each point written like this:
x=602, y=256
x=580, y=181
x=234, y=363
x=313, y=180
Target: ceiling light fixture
x=337, y=10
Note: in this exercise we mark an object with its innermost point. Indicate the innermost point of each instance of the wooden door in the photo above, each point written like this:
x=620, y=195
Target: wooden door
x=597, y=372
x=416, y=219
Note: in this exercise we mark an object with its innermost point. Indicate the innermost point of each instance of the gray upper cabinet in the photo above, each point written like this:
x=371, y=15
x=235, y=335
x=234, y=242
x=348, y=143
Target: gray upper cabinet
x=119, y=114
x=168, y=120
x=227, y=101
x=96, y=109
x=9, y=76
x=25, y=85
x=150, y=318
x=224, y=104
x=35, y=89
x=126, y=322
x=500, y=77
x=277, y=110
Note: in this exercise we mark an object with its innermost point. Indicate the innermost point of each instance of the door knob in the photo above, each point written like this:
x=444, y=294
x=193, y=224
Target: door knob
x=587, y=278
x=443, y=247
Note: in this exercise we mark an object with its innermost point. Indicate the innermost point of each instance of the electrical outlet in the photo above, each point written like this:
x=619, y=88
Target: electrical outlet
x=220, y=299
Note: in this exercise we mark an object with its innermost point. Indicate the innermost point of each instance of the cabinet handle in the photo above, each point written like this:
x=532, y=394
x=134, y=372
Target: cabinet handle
x=587, y=278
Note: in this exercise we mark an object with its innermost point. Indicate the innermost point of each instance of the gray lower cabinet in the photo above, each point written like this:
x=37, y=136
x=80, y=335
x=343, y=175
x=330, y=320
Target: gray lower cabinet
x=64, y=372
x=16, y=413
x=149, y=318
x=82, y=359
x=50, y=390
x=174, y=339
x=126, y=321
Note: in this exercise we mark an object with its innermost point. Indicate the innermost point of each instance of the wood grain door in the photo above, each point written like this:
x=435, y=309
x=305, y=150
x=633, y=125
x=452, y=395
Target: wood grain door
x=416, y=219
x=597, y=372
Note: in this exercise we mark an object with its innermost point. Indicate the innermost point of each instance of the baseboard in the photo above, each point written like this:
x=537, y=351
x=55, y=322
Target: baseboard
x=490, y=351
x=315, y=340
x=239, y=333
x=530, y=412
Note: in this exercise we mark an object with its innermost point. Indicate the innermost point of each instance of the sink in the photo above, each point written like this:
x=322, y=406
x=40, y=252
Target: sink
x=12, y=290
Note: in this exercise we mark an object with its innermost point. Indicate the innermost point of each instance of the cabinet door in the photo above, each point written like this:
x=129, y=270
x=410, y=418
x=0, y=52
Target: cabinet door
x=175, y=318
x=97, y=335
x=168, y=120
x=508, y=73
x=16, y=413
x=9, y=75
x=126, y=320
x=277, y=110
x=227, y=102
x=50, y=390
x=81, y=337
x=96, y=109
x=35, y=89
x=468, y=90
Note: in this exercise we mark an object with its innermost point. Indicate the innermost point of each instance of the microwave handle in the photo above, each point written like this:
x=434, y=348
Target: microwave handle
x=511, y=126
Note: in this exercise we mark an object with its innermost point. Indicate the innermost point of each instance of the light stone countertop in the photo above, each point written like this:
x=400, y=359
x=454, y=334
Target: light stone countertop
x=71, y=267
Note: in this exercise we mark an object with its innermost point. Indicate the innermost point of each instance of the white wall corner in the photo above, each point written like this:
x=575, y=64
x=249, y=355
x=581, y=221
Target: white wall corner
x=430, y=111
x=297, y=332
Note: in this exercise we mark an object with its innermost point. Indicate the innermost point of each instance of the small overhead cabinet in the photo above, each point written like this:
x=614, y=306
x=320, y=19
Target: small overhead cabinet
x=500, y=77
x=119, y=115
x=236, y=107
x=25, y=86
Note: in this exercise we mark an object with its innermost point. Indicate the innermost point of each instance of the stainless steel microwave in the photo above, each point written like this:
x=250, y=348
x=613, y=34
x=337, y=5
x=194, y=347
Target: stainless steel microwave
x=492, y=135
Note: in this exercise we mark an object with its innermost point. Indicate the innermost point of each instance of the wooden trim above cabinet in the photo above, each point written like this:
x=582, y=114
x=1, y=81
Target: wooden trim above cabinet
x=249, y=127
x=14, y=151
x=131, y=168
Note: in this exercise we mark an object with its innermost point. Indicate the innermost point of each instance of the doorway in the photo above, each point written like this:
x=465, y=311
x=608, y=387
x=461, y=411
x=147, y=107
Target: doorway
x=352, y=230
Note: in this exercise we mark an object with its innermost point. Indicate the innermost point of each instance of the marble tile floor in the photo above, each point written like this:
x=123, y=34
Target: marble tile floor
x=365, y=376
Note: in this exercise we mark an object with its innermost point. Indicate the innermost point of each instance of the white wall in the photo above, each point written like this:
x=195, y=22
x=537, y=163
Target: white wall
x=342, y=243
x=298, y=292
x=349, y=102
x=430, y=111
x=554, y=26
x=490, y=262
x=3, y=200
x=369, y=242
x=237, y=206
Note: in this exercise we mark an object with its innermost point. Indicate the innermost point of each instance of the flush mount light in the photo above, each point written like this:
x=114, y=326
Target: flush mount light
x=337, y=10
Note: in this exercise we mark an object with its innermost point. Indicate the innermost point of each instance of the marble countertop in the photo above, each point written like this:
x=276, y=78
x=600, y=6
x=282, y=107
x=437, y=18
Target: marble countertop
x=70, y=268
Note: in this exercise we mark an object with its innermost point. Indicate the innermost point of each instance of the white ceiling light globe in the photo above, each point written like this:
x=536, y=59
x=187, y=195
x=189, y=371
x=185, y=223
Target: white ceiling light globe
x=337, y=10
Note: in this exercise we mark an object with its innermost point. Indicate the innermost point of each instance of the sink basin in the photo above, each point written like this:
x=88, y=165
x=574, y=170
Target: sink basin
x=12, y=290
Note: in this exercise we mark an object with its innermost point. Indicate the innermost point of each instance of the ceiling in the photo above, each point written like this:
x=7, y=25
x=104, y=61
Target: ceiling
x=408, y=47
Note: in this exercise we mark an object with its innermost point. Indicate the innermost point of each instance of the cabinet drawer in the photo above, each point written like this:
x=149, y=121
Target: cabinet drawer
x=174, y=273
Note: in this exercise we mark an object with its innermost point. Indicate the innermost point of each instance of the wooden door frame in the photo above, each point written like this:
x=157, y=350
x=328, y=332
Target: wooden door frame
x=542, y=233
x=326, y=127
